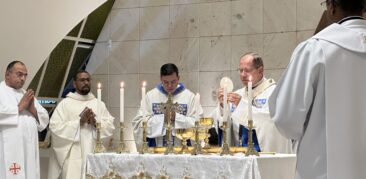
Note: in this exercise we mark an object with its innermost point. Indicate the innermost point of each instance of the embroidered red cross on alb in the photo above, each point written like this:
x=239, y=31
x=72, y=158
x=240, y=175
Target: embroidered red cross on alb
x=14, y=168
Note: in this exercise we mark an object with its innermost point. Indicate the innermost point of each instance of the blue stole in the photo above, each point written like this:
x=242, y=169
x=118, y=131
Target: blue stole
x=179, y=89
x=151, y=142
x=219, y=134
x=243, y=133
x=244, y=138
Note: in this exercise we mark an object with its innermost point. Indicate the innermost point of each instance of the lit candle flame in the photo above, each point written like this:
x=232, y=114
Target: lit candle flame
x=250, y=78
x=144, y=84
x=99, y=85
x=122, y=84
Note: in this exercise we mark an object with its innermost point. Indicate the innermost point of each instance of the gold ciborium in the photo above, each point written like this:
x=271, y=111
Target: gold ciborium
x=206, y=124
x=184, y=135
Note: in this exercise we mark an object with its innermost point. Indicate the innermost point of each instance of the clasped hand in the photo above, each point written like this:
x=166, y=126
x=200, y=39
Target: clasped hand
x=27, y=102
x=87, y=116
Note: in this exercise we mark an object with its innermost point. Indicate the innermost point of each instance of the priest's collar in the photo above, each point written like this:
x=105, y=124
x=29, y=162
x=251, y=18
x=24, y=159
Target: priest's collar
x=179, y=89
x=259, y=82
x=80, y=97
x=350, y=18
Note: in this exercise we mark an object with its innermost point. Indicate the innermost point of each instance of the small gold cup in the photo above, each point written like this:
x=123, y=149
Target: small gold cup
x=184, y=135
x=206, y=123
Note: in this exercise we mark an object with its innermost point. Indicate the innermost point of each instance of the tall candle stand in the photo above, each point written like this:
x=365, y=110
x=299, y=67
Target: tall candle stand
x=121, y=146
x=197, y=148
x=251, y=150
x=225, y=149
x=99, y=145
x=144, y=147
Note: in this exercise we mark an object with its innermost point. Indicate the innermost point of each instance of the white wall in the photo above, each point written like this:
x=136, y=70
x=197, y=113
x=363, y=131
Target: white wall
x=205, y=38
x=31, y=29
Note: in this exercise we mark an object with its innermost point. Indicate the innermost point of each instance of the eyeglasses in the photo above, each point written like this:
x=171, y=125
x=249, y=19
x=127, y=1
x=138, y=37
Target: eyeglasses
x=240, y=71
x=324, y=4
x=170, y=82
x=84, y=80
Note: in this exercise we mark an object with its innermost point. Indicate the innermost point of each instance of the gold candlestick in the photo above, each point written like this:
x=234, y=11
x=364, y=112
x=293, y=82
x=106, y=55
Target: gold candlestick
x=251, y=150
x=99, y=145
x=225, y=149
x=121, y=146
x=144, y=147
x=197, y=148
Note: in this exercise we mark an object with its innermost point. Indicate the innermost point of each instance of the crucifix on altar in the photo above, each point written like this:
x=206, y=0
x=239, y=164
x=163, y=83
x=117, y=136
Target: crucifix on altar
x=169, y=108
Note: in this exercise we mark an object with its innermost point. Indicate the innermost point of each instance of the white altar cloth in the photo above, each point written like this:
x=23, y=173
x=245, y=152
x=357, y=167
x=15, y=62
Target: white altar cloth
x=279, y=166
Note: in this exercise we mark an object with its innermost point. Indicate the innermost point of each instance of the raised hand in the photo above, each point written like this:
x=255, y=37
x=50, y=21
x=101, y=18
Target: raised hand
x=220, y=96
x=234, y=98
x=32, y=108
x=92, y=121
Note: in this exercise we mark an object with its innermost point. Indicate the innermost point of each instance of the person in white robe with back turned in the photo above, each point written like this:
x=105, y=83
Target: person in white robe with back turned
x=20, y=118
x=72, y=127
x=320, y=100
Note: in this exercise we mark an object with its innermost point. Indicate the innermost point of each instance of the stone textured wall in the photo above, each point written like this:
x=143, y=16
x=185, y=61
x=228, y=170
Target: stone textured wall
x=205, y=38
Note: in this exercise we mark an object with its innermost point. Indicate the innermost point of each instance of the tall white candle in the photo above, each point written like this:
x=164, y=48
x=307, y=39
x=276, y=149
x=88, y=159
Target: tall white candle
x=143, y=96
x=225, y=115
x=122, y=102
x=99, y=101
x=250, y=98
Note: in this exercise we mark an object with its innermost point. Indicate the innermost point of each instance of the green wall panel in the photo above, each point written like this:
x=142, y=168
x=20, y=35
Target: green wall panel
x=56, y=69
x=96, y=21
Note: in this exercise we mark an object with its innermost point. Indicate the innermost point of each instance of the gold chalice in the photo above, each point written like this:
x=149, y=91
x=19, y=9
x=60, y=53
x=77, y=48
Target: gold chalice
x=206, y=124
x=184, y=135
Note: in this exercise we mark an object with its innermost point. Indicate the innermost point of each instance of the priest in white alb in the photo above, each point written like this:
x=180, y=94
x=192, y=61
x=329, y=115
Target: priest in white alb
x=266, y=137
x=73, y=131
x=320, y=100
x=20, y=118
x=188, y=112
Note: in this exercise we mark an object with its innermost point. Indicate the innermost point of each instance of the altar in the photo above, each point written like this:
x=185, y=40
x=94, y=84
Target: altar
x=273, y=166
